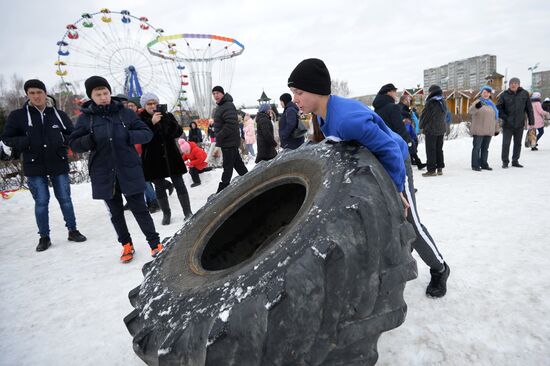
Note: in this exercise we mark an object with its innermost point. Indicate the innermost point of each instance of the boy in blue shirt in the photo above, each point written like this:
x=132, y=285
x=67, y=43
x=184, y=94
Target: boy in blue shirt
x=342, y=119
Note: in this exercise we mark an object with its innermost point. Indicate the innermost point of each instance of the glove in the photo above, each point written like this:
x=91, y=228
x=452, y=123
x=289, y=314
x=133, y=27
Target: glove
x=479, y=105
x=496, y=133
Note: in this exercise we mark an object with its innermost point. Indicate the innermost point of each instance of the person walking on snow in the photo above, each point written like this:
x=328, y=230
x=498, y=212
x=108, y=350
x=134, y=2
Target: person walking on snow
x=540, y=115
x=161, y=157
x=228, y=137
x=513, y=105
x=109, y=131
x=484, y=126
x=342, y=119
x=41, y=132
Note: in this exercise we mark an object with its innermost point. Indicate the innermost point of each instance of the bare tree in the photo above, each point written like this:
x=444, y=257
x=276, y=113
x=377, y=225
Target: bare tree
x=340, y=87
x=12, y=96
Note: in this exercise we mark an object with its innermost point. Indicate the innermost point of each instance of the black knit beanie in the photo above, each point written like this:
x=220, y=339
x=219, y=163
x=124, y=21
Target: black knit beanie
x=285, y=98
x=95, y=82
x=311, y=75
x=218, y=88
x=34, y=83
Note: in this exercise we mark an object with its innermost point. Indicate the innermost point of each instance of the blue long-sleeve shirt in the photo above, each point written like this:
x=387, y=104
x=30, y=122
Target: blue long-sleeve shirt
x=350, y=120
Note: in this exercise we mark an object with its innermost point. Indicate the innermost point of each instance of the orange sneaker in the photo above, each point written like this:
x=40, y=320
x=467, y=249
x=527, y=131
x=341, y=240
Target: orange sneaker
x=157, y=250
x=127, y=253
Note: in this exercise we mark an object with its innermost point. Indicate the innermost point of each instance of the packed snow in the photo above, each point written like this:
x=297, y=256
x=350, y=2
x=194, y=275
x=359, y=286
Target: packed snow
x=66, y=305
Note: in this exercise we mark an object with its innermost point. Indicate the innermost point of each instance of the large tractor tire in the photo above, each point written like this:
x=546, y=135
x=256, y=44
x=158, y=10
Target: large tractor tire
x=302, y=261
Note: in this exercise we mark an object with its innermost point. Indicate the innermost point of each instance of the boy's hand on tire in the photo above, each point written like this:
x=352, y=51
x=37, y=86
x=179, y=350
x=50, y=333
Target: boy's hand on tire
x=405, y=203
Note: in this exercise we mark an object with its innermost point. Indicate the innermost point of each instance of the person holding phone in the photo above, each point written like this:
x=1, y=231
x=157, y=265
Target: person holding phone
x=161, y=157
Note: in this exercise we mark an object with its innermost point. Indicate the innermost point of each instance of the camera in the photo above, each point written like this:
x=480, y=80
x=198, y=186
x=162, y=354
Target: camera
x=162, y=108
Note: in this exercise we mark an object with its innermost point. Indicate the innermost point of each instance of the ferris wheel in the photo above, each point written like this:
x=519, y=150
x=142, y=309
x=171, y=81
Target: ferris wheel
x=113, y=44
x=210, y=58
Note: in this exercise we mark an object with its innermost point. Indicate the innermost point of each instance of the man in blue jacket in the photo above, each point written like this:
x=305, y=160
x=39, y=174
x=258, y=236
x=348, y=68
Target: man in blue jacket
x=288, y=123
x=110, y=131
x=41, y=132
x=343, y=119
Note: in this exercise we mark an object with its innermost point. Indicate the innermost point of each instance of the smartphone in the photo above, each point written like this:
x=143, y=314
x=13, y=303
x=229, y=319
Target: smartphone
x=162, y=108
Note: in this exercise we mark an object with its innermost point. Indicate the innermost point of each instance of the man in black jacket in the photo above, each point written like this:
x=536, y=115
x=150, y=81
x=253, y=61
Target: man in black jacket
x=384, y=106
x=41, y=132
x=228, y=138
x=288, y=123
x=513, y=105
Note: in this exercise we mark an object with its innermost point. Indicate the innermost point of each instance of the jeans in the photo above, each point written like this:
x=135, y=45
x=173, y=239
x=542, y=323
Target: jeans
x=434, y=152
x=232, y=159
x=250, y=149
x=540, y=133
x=150, y=195
x=38, y=186
x=507, y=134
x=480, y=151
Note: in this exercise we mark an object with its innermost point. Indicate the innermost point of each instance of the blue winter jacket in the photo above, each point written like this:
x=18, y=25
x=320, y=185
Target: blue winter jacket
x=350, y=120
x=110, y=133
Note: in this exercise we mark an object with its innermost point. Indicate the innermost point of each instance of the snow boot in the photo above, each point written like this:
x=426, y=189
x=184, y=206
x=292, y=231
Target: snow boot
x=439, y=171
x=221, y=186
x=155, y=251
x=75, y=235
x=438, y=283
x=43, y=244
x=153, y=206
x=185, y=205
x=127, y=253
x=430, y=174
x=195, y=177
x=421, y=166
x=165, y=207
x=516, y=164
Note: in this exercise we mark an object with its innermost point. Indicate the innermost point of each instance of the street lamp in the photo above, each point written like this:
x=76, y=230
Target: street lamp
x=532, y=69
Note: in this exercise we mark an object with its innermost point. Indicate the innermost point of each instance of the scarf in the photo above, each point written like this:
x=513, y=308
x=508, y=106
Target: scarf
x=490, y=103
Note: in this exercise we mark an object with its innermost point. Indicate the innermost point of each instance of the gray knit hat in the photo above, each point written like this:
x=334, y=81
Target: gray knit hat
x=147, y=97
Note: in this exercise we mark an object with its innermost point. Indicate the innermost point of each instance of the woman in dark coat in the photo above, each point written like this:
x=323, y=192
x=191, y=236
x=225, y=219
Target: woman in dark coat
x=264, y=135
x=195, y=134
x=109, y=131
x=432, y=123
x=161, y=156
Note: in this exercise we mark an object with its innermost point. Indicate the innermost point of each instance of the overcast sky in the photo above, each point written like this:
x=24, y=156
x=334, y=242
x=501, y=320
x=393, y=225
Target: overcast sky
x=363, y=42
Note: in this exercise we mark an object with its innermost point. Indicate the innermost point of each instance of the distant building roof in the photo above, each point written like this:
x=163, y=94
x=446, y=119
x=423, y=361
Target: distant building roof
x=264, y=98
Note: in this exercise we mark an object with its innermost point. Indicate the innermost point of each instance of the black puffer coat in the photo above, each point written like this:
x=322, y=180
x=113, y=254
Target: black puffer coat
x=264, y=138
x=110, y=133
x=226, y=123
x=432, y=119
x=42, y=137
x=161, y=156
x=514, y=107
x=384, y=106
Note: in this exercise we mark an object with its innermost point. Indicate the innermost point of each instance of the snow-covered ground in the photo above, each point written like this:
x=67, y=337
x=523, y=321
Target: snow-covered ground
x=65, y=306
